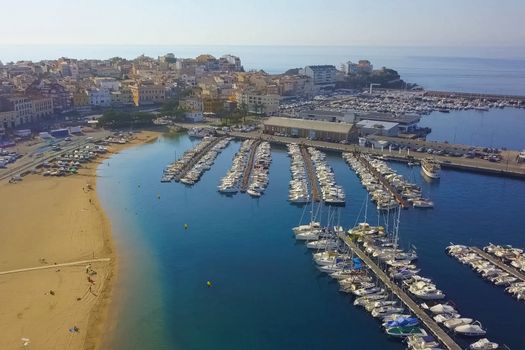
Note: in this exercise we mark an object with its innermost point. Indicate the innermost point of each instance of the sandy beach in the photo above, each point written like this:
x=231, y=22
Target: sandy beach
x=57, y=260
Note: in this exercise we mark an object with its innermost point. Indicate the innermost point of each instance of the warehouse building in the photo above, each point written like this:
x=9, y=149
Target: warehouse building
x=311, y=129
x=374, y=127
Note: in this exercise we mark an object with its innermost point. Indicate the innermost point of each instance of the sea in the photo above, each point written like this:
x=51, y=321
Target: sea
x=266, y=292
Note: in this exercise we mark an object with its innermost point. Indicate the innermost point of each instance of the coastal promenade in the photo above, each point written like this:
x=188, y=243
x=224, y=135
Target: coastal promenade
x=505, y=267
x=508, y=167
x=429, y=323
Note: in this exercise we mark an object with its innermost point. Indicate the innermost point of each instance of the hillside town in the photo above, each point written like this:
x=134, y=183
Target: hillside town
x=31, y=92
x=49, y=96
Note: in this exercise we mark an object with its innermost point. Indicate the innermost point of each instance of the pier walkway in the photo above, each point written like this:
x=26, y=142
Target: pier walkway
x=188, y=166
x=499, y=263
x=249, y=166
x=312, y=176
x=402, y=202
x=429, y=323
x=508, y=167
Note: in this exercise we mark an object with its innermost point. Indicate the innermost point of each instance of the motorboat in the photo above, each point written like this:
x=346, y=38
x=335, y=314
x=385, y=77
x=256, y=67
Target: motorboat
x=402, y=332
x=471, y=330
x=455, y=322
x=484, y=344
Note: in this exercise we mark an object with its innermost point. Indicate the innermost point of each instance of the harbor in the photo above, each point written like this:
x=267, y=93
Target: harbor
x=507, y=167
x=384, y=280
x=429, y=323
x=188, y=168
x=299, y=191
x=249, y=166
x=319, y=292
x=491, y=267
x=310, y=170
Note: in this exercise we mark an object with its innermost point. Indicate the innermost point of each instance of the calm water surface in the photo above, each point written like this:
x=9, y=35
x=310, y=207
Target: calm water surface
x=266, y=290
x=494, y=128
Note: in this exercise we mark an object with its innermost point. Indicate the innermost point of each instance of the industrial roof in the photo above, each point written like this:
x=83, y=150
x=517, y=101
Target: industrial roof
x=401, y=119
x=309, y=124
x=373, y=124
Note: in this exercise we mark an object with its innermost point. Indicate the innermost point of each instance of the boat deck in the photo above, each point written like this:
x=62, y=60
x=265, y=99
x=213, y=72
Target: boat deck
x=312, y=176
x=499, y=263
x=249, y=166
x=429, y=323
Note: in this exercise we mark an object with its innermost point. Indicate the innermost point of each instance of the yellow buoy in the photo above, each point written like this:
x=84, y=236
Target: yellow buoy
x=186, y=226
x=208, y=284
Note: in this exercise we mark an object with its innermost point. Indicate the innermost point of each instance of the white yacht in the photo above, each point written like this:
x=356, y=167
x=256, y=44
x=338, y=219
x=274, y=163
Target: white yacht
x=431, y=168
x=471, y=330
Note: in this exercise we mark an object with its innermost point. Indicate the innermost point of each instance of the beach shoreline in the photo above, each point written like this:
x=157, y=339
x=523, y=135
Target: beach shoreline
x=56, y=232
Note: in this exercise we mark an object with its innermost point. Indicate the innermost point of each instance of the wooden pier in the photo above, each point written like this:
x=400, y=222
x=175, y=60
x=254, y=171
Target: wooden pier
x=428, y=322
x=249, y=166
x=402, y=202
x=188, y=166
x=312, y=176
x=499, y=263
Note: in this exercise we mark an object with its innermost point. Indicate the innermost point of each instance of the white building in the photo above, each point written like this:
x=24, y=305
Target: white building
x=321, y=75
x=99, y=97
x=194, y=117
x=364, y=66
x=375, y=127
x=107, y=83
x=259, y=104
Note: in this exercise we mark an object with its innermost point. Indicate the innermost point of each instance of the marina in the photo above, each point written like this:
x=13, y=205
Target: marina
x=248, y=166
x=178, y=170
x=331, y=192
x=259, y=166
x=299, y=191
x=385, y=291
x=312, y=178
x=387, y=188
x=273, y=246
x=491, y=268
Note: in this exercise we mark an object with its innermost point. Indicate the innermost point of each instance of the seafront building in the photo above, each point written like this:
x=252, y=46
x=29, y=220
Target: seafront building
x=323, y=76
x=203, y=85
x=311, y=129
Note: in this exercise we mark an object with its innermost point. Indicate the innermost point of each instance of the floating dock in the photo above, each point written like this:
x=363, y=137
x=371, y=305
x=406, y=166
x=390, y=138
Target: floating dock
x=310, y=170
x=399, y=199
x=431, y=325
x=499, y=263
x=188, y=166
x=249, y=166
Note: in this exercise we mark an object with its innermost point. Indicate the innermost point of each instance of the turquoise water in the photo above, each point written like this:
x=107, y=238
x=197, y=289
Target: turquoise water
x=266, y=292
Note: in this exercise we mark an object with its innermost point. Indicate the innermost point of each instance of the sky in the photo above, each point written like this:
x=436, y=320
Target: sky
x=263, y=22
